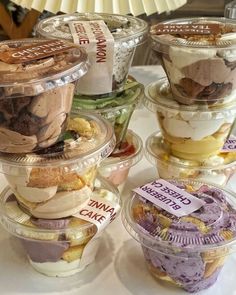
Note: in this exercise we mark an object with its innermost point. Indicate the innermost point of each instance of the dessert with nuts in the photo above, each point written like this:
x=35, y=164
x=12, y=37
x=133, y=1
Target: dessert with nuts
x=187, y=251
x=200, y=64
x=36, y=91
x=127, y=31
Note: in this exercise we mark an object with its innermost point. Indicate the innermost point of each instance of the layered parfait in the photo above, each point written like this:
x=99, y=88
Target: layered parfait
x=194, y=132
x=198, y=56
x=36, y=91
x=126, y=31
x=56, y=182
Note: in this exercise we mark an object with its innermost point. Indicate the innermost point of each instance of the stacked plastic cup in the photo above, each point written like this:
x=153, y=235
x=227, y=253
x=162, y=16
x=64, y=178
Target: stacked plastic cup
x=50, y=156
x=59, y=247
x=36, y=93
x=126, y=32
x=106, y=90
x=195, y=104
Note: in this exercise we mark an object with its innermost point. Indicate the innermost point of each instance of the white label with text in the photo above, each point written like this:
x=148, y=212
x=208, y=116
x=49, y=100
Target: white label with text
x=99, y=212
x=169, y=197
x=98, y=41
x=230, y=145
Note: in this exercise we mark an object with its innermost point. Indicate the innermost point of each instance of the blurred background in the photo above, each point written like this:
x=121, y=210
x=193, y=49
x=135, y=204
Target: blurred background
x=22, y=21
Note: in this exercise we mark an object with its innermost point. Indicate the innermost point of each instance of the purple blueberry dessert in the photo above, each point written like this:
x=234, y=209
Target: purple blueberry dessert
x=188, y=251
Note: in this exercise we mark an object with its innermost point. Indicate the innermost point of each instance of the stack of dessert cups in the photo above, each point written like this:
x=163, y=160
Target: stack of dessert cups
x=50, y=155
x=196, y=104
x=106, y=90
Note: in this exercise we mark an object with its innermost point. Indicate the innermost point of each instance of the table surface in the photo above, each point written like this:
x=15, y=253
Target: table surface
x=119, y=267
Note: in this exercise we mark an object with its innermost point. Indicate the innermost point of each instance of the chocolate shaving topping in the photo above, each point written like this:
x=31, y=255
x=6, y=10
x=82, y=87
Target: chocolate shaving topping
x=56, y=148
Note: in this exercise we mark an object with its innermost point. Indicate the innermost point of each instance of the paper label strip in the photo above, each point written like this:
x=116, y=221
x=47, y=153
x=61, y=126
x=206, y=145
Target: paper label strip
x=99, y=212
x=169, y=197
x=186, y=29
x=98, y=41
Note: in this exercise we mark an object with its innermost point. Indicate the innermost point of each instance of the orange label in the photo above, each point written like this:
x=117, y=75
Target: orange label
x=35, y=51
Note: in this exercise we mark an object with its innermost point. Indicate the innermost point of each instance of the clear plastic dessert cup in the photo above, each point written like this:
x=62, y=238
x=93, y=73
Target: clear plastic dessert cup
x=217, y=169
x=194, y=132
x=117, y=109
x=56, y=182
x=36, y=95
x=128, y=32
x=200, y=67
x=116, y=167
x=187, y=251
x=58, y=247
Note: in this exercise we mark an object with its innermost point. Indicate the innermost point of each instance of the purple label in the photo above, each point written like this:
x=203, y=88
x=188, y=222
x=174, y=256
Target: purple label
x=230, y=145
x=169, y=197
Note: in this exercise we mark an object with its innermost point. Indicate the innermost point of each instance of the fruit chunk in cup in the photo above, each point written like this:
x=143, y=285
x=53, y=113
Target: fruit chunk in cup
x=218, y=169
x=187, y=251
x=56, y=182
x=127, y=31
x=199, y=67
x=58, y=247
x=193, y=132
x=36, y=95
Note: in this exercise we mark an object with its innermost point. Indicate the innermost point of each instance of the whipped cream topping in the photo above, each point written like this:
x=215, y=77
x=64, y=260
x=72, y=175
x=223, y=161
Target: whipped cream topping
x=191, y=129
x=63, y=204
x=195, y=125
x=182, y=57
x=37, y=195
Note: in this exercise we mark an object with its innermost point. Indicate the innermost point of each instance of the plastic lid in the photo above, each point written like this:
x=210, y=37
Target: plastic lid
x=157, y=151
x=131, y=155
x=132, y=94
x=226, y=38
x=36, y=76
x=89, y=139
x=230, y=9
x=158, y=97
x=212, y=227
x=19, y=224
x=123, y=28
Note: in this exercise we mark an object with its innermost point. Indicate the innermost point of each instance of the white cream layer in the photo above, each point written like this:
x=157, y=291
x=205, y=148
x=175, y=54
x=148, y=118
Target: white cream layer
x=60, y=268
x=195, y=125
